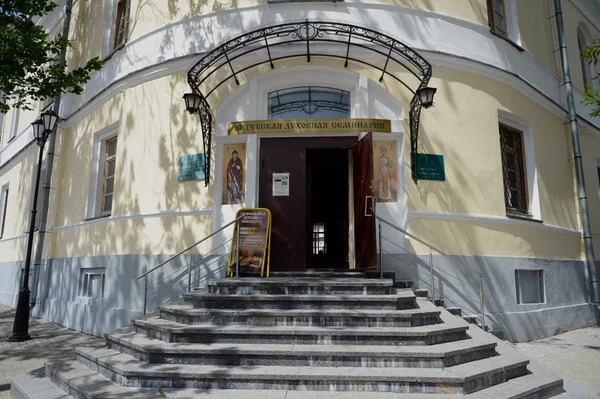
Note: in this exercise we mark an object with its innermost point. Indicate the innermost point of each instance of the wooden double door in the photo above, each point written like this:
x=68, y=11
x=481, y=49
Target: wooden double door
x=324, y=217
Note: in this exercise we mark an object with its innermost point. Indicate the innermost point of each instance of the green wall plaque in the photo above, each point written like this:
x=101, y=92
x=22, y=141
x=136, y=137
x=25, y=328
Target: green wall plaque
x=430, y=167
x=191, y=167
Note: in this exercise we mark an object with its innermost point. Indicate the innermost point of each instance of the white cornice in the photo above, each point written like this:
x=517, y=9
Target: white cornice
x=590, y=10
x=490, y=219
x=452, y=42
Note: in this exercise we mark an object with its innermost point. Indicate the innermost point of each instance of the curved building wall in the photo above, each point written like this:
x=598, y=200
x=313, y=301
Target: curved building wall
x=482, y=80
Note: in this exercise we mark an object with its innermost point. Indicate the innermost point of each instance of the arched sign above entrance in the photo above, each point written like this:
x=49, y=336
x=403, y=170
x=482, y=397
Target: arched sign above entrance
x=306, y=39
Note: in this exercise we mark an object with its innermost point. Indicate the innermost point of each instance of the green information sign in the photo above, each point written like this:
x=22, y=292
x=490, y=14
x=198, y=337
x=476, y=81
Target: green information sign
x=430, y=167
x=191, y=167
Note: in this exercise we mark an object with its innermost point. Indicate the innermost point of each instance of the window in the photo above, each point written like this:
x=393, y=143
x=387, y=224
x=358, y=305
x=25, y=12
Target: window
x=108, y=185
x=3, y=208
x=587, y=69
x=14, y=123
x=319, y=239
x=530, y=286
x=121, y=23
x=309, y=102
x=1, y=126
x=513, y=168
x=91, y=283
x=497, y=17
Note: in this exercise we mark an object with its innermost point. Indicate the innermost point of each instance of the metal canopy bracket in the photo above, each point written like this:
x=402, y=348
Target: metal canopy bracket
x=325, y=37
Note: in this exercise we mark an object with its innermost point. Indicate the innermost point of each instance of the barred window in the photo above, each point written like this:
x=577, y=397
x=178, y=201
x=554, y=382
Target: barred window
x=513, y=168
x=497, y=17
x=121, y=22
x=319, y=241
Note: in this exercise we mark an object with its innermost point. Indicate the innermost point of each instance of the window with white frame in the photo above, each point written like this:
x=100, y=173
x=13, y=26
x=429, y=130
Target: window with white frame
x=587, y=68
x=519, y=169
x=102, y=177
x=503, y=19
x=14, y=123
x=121, y=26
x=108, y=182
x=91, y=282
x=530, y=286
x=3, y=208
x=1, y=126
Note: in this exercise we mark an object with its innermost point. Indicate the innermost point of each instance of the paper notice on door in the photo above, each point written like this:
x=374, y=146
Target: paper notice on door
x=281, y=184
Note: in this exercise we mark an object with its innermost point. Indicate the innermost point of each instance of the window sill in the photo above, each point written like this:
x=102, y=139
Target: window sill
x=523, y=216
x=96, y=217
x=115, y=50
x=11, y=139
x=515, y=45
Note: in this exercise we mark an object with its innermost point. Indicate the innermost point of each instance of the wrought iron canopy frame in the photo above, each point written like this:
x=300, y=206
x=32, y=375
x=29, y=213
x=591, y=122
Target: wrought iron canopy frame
x=305, y=39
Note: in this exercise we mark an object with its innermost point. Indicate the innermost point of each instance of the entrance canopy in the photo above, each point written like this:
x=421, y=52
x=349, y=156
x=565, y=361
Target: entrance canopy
x=305, y=40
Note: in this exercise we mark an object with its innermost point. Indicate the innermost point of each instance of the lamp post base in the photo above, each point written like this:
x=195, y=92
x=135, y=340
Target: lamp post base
x=20, y=331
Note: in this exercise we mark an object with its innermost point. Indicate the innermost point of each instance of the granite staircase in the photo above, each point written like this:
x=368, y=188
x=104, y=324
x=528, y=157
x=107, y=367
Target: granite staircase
x=300, y=337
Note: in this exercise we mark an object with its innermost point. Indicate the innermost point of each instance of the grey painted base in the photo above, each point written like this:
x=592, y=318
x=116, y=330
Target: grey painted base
x=566, y=306
x=61, y=297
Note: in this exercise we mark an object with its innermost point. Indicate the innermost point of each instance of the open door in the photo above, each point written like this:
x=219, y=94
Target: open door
x=364, y=203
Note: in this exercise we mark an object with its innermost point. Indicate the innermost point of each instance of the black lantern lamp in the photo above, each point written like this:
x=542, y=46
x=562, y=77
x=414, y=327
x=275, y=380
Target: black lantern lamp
x=192, y=102
x=426, y=96
x=38, y=129
x=49, y=118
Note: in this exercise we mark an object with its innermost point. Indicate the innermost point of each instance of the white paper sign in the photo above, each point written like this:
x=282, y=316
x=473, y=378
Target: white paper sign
x=281, y=184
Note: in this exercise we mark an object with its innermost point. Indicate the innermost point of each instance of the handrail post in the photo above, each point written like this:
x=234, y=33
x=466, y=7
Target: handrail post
x=237, y=250
x=432, y=282
x=481, y=303
x=380, y=252
x=145, y=292
x=190, y=273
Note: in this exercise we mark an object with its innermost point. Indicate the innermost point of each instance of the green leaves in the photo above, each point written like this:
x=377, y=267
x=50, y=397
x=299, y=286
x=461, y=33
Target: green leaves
x=591, y=96
x=29, y=59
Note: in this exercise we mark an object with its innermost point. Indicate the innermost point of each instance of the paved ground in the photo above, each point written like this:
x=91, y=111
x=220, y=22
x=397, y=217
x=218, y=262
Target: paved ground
x=50, y=341
x=574, y=355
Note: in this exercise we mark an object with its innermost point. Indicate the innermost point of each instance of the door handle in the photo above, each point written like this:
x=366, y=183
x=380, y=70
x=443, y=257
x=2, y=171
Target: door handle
x=367, y=203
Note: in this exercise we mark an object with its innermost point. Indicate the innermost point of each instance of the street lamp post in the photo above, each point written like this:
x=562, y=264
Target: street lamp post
x=42, y=128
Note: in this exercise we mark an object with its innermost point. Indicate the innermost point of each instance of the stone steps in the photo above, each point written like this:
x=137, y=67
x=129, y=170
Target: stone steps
x=403, y=300
x=152, y=350
x=170, y=331
x=185, y=313
x=295, y=286
x=294, y=337
x=463, y=378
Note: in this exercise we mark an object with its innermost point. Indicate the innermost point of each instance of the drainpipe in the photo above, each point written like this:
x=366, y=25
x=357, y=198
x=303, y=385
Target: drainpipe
x=48, y=175
x=592, y=272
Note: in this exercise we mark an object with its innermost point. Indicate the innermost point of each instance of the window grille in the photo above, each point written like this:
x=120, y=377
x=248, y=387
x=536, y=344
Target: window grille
x=92, y=282
x=109, y=175
x=513, y=168
x=121, y=22
x=319, y=239
x=497, y=17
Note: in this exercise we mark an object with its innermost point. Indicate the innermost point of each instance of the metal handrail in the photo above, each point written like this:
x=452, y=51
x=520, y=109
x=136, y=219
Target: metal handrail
x=190, y=247
x=431, y=265
x=145, y=275
x=430, y=246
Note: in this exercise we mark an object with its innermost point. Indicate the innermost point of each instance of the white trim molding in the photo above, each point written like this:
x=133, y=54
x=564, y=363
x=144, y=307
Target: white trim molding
x=490, y=219
x=115, y=218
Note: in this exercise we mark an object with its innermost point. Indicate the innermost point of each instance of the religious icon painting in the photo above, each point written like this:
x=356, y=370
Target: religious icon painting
x=234, y=173
x=385, y=159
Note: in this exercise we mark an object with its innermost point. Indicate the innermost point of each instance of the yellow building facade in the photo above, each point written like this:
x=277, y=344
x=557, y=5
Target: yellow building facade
x=120, y=202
